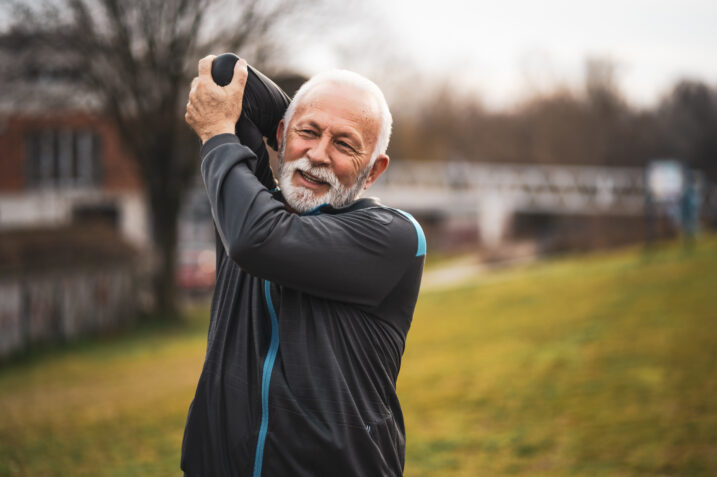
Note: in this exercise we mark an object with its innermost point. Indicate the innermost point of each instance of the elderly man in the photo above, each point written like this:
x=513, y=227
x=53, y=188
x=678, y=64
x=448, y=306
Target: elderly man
x=315, y=289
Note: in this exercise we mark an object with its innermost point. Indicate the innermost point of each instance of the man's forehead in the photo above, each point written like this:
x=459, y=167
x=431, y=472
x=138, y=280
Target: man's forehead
x=351, y=99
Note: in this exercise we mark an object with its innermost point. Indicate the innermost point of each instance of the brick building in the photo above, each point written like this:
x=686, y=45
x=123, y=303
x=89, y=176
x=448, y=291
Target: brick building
x=72, y=219
x=62, y=167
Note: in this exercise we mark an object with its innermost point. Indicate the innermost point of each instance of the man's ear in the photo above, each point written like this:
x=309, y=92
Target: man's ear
x=379, y=165
x=280, y=133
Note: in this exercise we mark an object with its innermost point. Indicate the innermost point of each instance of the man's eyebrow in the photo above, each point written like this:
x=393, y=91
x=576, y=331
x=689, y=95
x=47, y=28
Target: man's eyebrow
x=309, y=123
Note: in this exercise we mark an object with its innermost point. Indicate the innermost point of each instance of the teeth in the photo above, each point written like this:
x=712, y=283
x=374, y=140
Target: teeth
x=311, y=178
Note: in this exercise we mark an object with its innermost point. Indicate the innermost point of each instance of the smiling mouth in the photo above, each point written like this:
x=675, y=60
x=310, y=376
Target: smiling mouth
x=311, y=179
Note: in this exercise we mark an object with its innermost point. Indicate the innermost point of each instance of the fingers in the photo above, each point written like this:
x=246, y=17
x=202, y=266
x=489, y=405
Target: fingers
x=193, y=92
x=239, y=77
x=205, y=65
x=190, y=112
x=188, y=116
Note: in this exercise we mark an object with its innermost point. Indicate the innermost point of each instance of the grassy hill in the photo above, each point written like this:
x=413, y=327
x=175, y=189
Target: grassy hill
x=597, y=365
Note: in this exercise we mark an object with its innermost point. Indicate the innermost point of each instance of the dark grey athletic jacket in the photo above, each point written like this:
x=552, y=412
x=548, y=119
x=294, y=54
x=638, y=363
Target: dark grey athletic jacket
x=308, y=325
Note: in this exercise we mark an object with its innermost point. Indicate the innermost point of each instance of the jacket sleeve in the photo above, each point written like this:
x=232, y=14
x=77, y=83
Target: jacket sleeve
x=356, y=257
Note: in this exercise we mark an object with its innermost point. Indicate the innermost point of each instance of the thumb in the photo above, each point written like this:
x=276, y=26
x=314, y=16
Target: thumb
x=240, y=76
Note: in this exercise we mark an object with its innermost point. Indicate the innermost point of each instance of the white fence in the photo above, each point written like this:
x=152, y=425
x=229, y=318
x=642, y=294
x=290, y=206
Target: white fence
x=60, y=306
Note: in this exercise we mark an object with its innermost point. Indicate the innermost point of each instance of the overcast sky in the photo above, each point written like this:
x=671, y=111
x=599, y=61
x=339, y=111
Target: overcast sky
x=504, y=49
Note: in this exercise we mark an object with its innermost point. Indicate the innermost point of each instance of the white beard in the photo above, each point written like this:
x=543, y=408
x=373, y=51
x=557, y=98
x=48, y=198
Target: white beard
x=303, y=200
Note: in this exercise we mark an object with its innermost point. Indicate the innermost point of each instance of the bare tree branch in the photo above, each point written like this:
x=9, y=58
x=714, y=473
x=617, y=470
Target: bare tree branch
x=136, y=57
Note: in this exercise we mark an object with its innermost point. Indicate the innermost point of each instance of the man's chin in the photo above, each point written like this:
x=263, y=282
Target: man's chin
x=312, y=195
x=303, y=200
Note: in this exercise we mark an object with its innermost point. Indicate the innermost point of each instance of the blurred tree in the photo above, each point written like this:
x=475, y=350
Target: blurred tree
x=553, y=129
x=440, y=125
x=688, y=118
x=136, y=58
x=608, y=116
x=601, y=89
x=593, y=125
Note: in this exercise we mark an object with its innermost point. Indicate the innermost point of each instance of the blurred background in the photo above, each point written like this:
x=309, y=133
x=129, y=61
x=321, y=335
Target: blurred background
x=561, y=157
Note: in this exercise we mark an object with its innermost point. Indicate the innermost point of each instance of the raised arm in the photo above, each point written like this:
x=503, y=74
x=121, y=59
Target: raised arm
x=354, y=257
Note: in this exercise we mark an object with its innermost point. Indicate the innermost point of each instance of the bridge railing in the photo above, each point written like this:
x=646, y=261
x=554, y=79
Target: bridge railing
x=525, y=187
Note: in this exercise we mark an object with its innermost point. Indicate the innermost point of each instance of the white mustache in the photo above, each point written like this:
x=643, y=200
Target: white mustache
x=322, y=173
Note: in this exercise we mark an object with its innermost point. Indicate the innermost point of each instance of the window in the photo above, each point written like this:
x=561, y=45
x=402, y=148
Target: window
x=63, y=158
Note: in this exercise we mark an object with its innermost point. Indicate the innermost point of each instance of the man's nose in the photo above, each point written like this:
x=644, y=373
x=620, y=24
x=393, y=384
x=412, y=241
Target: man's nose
x=319, y=153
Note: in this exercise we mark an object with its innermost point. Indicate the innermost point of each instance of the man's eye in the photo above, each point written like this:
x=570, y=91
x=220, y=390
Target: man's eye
x=345, y=146
x=307, y=132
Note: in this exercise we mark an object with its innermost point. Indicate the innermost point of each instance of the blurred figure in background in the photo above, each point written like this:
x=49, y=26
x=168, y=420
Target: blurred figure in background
x=690, y=209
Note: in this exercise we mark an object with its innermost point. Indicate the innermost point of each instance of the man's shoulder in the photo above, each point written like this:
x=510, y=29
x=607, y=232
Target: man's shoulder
x=401, y=223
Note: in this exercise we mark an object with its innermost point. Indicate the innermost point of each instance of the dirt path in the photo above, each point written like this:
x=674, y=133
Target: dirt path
x=452, y=273
x=467, y=267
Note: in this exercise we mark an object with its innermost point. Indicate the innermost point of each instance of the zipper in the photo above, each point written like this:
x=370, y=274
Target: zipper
x=265, y=380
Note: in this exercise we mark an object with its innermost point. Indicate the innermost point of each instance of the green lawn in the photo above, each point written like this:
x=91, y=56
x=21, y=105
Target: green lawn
x=598, y=365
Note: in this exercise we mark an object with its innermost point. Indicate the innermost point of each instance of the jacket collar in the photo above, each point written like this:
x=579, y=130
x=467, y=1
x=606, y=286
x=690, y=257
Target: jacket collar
x=362, y=203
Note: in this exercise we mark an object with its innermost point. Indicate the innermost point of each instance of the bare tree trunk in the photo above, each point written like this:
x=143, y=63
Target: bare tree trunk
x=164, y=223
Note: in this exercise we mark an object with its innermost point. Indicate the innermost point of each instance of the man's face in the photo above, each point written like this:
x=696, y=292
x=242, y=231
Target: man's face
x=326, y=149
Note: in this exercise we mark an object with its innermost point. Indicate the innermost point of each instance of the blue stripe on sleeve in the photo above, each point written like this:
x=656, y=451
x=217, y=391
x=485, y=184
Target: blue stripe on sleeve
x=419, y=232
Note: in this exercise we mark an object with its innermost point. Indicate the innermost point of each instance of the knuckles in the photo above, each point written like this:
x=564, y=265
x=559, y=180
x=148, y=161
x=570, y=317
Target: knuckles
x=200, y=89
x=205, y=63
x=201, y=84
x=242, y=72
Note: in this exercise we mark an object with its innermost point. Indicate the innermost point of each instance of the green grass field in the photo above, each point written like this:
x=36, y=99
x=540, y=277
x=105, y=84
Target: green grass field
x=597, y=365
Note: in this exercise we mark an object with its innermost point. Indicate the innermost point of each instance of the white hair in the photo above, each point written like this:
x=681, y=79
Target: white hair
x=355, y=80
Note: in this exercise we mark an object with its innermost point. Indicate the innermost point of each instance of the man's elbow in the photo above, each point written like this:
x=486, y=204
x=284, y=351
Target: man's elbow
x=254, y=245
x=247, y=255
x=239, y=250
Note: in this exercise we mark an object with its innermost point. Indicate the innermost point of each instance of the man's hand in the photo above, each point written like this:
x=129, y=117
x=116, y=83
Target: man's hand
x=213, y=109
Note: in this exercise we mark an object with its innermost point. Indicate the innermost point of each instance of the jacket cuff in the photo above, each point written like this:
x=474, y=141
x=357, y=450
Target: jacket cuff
x=218, y=140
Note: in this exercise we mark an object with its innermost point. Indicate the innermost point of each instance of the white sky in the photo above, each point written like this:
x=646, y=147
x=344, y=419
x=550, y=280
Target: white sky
x=503, y=49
